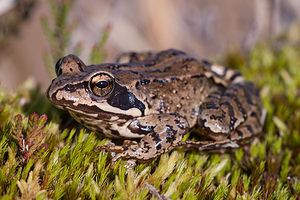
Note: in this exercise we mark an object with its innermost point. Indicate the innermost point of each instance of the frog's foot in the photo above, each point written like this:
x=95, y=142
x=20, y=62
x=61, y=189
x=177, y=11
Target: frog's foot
x=167, y=130
x=133, y=152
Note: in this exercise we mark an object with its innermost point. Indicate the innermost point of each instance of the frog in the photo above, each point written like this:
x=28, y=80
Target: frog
x=152, y=100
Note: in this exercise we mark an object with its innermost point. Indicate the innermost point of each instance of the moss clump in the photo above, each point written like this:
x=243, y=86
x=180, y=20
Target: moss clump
x=69, y=167
x=40, y=160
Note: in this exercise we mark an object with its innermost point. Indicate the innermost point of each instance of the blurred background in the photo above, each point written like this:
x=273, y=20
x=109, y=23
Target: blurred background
x=203, y=28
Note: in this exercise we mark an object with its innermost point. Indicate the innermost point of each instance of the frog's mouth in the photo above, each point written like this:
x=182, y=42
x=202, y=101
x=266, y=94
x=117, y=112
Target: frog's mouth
x=93, y=111
x=96, y=112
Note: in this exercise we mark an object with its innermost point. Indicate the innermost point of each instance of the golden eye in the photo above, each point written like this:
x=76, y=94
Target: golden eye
x=102, y=84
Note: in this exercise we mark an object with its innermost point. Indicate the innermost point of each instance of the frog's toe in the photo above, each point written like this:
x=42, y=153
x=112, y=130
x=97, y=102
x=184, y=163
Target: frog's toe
x=118, y=157
x=135, y=153
x=130, y=142
x=112, y=148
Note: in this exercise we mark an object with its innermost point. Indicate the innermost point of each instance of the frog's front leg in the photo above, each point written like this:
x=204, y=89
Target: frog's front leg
x=164, y=130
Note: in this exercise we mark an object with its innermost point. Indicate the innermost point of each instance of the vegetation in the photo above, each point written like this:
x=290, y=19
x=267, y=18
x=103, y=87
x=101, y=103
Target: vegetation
x=41, y=159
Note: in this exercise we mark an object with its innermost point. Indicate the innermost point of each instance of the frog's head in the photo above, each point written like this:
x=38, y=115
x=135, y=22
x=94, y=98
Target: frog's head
x=94, y=91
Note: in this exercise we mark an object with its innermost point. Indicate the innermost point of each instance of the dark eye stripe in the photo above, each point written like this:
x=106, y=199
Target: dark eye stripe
x=122, y=98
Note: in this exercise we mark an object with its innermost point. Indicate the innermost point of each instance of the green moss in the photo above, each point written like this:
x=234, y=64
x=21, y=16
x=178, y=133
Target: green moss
x=71, y=167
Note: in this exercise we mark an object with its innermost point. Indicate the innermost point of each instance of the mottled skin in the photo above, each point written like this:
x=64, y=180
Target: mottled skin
x=158, y=97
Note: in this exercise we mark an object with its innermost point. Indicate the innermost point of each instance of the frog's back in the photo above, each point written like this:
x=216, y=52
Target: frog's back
x=169, y=82
x=166, y=64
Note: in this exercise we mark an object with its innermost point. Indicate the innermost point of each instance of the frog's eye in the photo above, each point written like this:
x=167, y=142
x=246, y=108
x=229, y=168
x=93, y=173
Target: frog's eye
x=102, y=84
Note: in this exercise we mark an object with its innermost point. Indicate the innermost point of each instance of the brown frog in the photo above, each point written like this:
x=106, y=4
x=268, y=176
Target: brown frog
x=158, y=97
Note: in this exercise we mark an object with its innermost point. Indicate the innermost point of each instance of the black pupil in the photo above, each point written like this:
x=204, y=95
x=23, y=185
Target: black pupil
x=102, y=84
